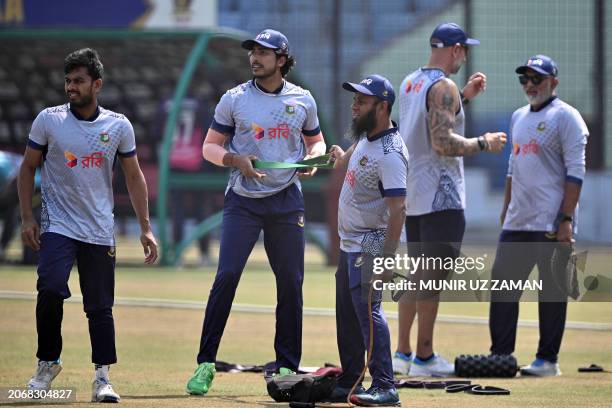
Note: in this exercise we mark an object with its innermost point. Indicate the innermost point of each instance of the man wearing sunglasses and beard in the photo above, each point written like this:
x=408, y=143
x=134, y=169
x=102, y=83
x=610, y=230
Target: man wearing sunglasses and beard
x=545, y=173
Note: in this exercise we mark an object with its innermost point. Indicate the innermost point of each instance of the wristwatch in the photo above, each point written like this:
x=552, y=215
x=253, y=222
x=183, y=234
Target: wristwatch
x=562, y=217
x=482, y=143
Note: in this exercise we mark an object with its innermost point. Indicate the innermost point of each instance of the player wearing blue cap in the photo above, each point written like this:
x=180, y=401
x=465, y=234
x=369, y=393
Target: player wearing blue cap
x=76, y=145
x=432, y=126
x=371, y=215
x=545, y=173
x=274, y=120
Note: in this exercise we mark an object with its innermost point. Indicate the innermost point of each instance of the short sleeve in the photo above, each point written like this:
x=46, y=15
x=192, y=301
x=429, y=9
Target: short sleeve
x=38, y=138
x=311, y=124
x=127, y=145
x=393, y=171
x=223, y=120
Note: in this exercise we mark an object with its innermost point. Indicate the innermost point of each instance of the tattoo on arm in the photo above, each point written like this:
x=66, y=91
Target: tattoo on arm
x=443, y=103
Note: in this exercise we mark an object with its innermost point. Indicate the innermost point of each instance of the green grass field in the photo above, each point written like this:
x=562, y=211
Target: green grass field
x=157, y=346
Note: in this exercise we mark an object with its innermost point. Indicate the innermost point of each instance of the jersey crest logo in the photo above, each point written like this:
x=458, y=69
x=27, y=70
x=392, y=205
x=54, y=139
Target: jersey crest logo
x=541, y=126
x=363, y=161
x=258, y=131
x=359, y=261
x=104, y=137
x=300, y=221
x=290, y=109
x=71, y=159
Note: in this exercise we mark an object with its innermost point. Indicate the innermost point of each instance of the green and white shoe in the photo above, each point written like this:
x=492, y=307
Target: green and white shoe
x=200, y=382
x=285, y=371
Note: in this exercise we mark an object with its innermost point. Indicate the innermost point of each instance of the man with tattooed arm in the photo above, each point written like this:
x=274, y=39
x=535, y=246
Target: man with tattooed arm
x=432, y=126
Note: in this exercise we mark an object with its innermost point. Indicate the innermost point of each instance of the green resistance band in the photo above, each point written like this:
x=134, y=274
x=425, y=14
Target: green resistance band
x=321, y=162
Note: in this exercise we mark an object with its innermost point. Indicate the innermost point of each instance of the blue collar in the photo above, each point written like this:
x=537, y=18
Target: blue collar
x=545, y=104
x=91, y=119
x=383, y=133
x=262, y=89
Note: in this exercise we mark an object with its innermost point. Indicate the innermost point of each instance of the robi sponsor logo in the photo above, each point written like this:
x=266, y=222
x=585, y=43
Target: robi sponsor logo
x=280, y=131
x=96, y=159
x=533, y=147
x=350, y=178
x=71, y=159
x=258, y=131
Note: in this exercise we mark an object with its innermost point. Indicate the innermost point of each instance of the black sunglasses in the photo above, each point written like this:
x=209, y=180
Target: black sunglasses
x=535, y=79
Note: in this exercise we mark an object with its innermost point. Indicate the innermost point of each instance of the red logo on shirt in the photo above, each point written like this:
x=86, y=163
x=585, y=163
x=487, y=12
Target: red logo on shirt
x=96, y=159
x=350, y=178
x=258, y=131
x=418, y=86
x=71, y=159
x=408, y=86
x=282, y=130
x=533, y=147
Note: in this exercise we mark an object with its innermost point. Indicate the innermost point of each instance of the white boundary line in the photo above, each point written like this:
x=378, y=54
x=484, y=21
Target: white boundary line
x=308, y=311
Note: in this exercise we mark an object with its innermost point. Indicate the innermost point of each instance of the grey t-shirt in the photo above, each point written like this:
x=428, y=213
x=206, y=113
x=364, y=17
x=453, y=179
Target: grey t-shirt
x=377, y=169
x=270, y=126
x=435, y=182
x=76, y=185
x=548, y=148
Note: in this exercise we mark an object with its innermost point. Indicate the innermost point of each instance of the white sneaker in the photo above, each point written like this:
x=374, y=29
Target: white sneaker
x=102, y=391
x=45, y=373
x=401, y=363
x=436, y=367
x=541, y=368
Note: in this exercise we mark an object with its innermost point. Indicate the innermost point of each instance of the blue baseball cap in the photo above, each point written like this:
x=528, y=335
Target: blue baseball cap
x=541, y=64
x=373, y=85
x=449, y=34
x=269, y=38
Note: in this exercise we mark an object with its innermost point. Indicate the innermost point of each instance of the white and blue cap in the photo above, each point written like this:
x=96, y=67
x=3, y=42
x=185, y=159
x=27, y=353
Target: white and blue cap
x=449, y=34
x=541, y=64
x=373, y=85
x=269, y=38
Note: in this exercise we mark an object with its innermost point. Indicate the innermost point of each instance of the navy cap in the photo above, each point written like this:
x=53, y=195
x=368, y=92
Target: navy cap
x=269, y=38
x=449, y=34
x=541, y=64
x=374, y=85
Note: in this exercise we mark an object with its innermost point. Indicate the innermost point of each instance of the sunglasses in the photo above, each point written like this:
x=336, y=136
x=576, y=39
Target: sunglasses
x=535, y=79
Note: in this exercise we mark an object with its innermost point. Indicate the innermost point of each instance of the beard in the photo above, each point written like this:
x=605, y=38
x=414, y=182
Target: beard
x=539, y=99
x=84, y=100
x=363, y=124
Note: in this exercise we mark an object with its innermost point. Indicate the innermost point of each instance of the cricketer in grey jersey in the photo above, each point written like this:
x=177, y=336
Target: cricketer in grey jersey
x=376, y=169
x=269, y=126
x=77, y=191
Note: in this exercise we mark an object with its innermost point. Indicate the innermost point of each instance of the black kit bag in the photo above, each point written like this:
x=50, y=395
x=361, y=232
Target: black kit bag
x=301, y=387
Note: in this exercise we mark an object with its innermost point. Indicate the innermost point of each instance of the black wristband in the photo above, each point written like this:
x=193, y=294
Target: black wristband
x=482, y=143
x=464, y=100
x=562, y=217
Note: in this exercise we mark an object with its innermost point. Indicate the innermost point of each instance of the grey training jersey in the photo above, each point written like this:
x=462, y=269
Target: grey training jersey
x=269, y=126
x=548, y=148
x=435, y=182
x=76, y=186
x=377, y=169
